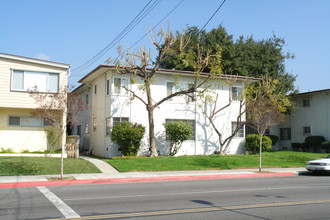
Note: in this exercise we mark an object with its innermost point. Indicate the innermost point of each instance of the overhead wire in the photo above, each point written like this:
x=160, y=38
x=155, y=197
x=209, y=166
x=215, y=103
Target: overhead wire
x=147, y=32
x=138, y=18
x=223, y=2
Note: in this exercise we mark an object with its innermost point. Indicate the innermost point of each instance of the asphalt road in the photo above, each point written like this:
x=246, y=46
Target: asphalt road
x=301, y=197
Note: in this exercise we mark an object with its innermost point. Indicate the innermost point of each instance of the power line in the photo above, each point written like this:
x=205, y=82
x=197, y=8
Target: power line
x=146, y=33
x=212, y=15
x=153, y=27
x=138, y=18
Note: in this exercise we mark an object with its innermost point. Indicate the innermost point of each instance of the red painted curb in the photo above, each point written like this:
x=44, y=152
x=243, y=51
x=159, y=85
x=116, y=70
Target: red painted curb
x=141, y=179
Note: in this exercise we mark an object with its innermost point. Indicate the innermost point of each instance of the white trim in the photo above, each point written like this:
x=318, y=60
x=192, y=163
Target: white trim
x=125, y=93
x=32, y=60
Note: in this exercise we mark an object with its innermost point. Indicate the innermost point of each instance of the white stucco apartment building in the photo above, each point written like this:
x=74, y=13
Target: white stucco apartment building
x=312, y=117
x=109, y=103
x=18, y=130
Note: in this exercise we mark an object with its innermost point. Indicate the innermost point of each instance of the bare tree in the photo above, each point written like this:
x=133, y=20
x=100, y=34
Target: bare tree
x=54, y=108
x=266, y=106
x=215, y=110
x=140, y=64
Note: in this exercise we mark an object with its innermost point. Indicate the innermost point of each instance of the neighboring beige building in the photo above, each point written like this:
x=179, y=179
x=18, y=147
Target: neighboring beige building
x=108, y=103
x=18, y=130
x=312, y=117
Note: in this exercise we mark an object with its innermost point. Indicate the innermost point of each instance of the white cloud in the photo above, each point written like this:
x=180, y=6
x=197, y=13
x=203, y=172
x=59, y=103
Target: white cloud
x=42, y=56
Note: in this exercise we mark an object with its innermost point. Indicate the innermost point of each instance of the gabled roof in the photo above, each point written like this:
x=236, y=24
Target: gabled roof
x=98, y=70
x=33, y=60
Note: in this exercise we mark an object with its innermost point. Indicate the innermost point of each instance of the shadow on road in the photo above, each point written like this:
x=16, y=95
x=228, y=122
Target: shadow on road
x=309, y=173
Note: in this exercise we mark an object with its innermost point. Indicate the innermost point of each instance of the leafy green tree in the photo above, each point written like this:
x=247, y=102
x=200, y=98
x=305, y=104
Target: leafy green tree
x=266, y=106
x=177, y=132
x=246, y=56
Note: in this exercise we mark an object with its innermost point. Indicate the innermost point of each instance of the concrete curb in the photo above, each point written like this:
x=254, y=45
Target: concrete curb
x=142, y=179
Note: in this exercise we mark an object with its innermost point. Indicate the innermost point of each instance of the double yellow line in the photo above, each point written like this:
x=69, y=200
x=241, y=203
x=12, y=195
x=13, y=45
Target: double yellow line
x=211, y=209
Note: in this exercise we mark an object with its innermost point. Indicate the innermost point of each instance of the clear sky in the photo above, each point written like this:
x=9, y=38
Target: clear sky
x=74, y=31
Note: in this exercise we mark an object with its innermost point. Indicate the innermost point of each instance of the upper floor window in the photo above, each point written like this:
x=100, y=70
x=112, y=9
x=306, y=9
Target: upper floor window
x=240, y=132
x=307, y=130
x=172, y=88
x=95, y=89
x=306, y=102
x=35, y=81
x=87, y=100
x=119, y=84
x=108, y=87
x=236, y=93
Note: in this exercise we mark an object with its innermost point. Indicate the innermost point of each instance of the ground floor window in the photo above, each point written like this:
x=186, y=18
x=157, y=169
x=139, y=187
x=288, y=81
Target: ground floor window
x=285, y=133
x=116, y=120
x=240, y=132
x=26, y=121
x=190, y=122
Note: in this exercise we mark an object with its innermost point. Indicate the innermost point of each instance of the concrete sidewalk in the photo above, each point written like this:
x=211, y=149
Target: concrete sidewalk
x=111, y=175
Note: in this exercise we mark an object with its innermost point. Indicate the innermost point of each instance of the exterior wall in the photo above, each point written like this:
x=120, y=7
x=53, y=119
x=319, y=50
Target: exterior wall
x=316, y=116
x=20, y=103
x=108, y=106
x=20, y=138
x=15, y=99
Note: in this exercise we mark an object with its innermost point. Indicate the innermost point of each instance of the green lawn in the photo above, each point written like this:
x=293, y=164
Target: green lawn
x=17, y=166
x=269, y=159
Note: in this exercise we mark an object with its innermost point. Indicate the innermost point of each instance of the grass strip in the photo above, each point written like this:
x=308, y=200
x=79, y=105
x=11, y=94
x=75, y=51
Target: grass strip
x=282, y=159
x=18, y=166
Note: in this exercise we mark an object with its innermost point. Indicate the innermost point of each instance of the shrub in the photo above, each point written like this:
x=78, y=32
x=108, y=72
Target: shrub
x=7, y=150
x=128, y=136
x=53, y=138
x=177, y=132
x=274, y=138
x=252, y=142
x=314, y=141
x=295, y=146
x=326, y=145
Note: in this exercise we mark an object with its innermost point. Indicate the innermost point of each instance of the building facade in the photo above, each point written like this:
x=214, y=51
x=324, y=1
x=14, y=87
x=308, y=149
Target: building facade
x=109, y=103
x=312, y=117
x=19, y=131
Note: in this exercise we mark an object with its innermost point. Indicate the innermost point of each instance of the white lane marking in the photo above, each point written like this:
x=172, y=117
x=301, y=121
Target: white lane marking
x=200, y=192
x=58, y=203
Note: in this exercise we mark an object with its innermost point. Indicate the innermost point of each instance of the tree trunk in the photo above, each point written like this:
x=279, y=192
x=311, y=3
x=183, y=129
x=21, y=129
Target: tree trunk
x=150, y=109
x=260, y=144
x=153, y=150
x=62, y=152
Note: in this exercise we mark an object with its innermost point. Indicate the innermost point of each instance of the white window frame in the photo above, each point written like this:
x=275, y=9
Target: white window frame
x=240, y=133
x=184, y=86
x=86, y=128
x=121, y=119
x=238, y=92
x=26, y=73
x=307, y=128
x=43, y=122
x=122, y=91
x=95, y=89
x=108, y=126
x=191, y=122
x=108, y=87
x=306, y=102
